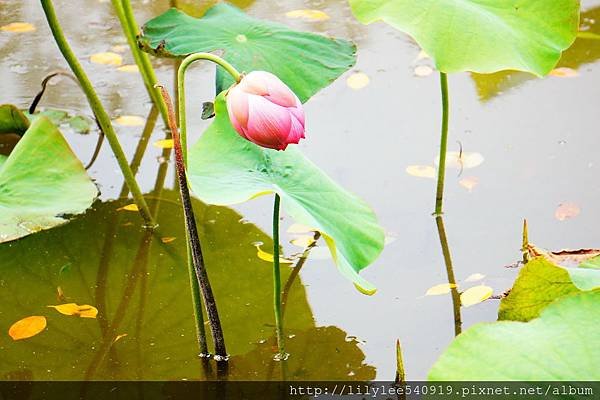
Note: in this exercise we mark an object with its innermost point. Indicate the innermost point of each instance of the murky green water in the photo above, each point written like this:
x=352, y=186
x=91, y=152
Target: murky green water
x=539, y=140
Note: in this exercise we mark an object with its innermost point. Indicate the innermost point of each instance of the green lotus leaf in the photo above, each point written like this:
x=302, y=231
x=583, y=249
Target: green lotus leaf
x=587, y=275
x=306, y=62
x=482, y=35
x=563, y=344
x=12, y=120
x=226, y=169
x=41, y=183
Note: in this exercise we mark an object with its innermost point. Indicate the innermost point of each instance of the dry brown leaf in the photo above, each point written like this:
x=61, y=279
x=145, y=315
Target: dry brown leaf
x=566, y=257
x=83, y=311
x=475, y=295
x=566, y=211
x=18, y=27
x=27, y=327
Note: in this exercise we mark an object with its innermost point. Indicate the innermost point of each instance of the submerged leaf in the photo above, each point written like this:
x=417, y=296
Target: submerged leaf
x=27, y=327
x=475, y=295
x=84, y=311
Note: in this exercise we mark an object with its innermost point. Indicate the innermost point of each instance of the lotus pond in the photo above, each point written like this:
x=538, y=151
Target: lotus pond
x=519, y=147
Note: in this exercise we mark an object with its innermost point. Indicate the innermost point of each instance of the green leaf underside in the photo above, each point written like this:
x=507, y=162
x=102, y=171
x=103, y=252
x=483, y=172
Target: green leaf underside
x=40, y=182
x=563, y=344
x=306, y=62
x=539, y=283
x=226, y=169
x=12, y=120
x=482, y=35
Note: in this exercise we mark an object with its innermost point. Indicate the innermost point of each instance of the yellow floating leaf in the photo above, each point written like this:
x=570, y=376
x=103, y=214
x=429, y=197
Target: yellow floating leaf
x=27, y=327
x=119, y=337
x=475, y=295
x=299, y=228
x=119, y=48
x=129, y=68
x=423, y=70
x=263, y=255
x=167, y=239
x=474, y=277
x=130, y=120
x=464, y=160
x=107, y=58
x=564, y=72
x=566, y=210
x=421, y=171
x=357, y=80
x=312, y=15
x=469, y=182
x=129, y=207
x=303, y=241
x=18, y=27
x=164, y=144
x=442, y=288
x=84, y=311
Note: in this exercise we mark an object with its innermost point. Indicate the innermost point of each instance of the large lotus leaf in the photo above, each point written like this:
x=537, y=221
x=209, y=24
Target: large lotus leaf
x=305, y=61
x=41, y=182
x=562, y=344
x=482, y=35
x=587, y=274
x=139, y=283
x=12, y=120
x=227, y=169
x=539, y=283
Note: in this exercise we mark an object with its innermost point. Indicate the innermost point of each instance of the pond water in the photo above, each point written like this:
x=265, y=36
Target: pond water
x=538, y=139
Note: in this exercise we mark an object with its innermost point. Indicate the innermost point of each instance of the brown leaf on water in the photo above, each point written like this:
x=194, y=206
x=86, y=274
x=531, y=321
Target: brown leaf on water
x=27, y=327
x=566, y=211
x=566, y=257
x=84, y=311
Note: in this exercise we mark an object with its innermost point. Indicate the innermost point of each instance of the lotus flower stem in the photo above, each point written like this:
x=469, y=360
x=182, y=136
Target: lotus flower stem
x=439, y=220
x=130, y=29
x=99, y=111
x=277, y=280
x=181, y=89
x=195, y=248
x=439, y=198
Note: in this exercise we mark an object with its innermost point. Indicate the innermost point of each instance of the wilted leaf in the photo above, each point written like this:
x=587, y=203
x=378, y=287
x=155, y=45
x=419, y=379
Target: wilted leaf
x=475, y=295
x=263, y=255
x=357, y=80
x=313, y=15
x=131, y=68
x=421, y=171
x=566, y=211
x=18, y=27
x=469, y=182
x=107, y=58
x=475, y=277
x=129, y=207
x=130, y=120
x=564, y=72
x=208, y=110
x=442, y=288
x=164, y=144
x=83, y=311
x=27, y=327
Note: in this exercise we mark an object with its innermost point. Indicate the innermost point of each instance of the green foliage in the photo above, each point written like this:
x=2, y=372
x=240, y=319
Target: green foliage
x=587, y=274
x=562, y=344
x=41, y=183
x=12, y=120
x=482, y=35
x=305, y=61
x=226, y=169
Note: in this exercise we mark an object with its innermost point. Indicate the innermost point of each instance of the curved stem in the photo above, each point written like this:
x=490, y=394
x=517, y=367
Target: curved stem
x=181, y=89
x=124, y=12
x=277, y=279
x=99, y=111
x=439, y=198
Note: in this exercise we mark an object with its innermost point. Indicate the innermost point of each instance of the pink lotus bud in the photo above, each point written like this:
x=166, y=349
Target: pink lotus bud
x=265, y=111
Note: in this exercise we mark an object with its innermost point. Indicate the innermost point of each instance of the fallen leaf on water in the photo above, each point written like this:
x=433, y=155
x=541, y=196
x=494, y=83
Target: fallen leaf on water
x=464, y=160
x=107, y=58
x=312, y=15
x=475, y=295
x=119, y=48
x=442, y=288
x=263, y=255
x=423, y=70
x=469, y=182
x=164, y=144
x=358, y=80
x=421, y=171
x=27, y=327
x=119, y=337
x=129, y=207
x=564, y=72
x=474, y=277
x=566, y=210
x=83, y=311
x=167, y=239
x=18, y=27
x=303, y=241
x=299, y=228
x=130, y=120
x=129, y=68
